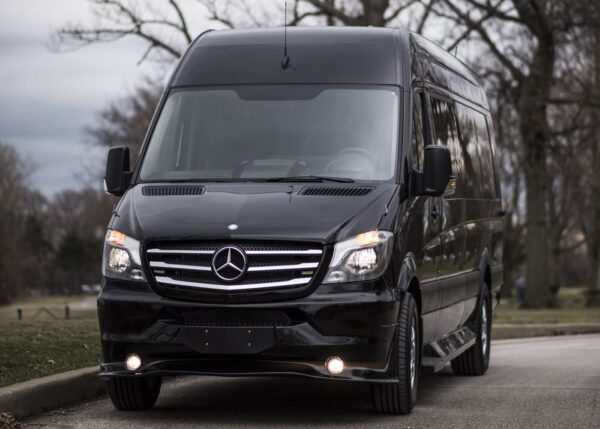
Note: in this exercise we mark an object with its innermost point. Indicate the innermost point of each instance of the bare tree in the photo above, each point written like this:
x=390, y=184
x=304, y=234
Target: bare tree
x=589, y=189
x=77, y=220
x=541, y=26
x=166, y=31
x=13, y=192
x=125, y=121
x=117, y=19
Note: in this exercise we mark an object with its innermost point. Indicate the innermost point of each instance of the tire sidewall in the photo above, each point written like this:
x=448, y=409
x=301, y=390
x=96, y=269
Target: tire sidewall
x=484, y=299
x=411, y=318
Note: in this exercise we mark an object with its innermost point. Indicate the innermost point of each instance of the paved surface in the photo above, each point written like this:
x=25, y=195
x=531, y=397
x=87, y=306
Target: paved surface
x=551, y=382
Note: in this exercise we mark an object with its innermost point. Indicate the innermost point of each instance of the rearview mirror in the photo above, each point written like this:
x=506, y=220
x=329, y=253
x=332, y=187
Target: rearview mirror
x=437, y=171
x=118, y=176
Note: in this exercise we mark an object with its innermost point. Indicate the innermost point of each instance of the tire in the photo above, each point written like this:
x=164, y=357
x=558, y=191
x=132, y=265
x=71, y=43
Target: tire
x=400, y=397
x=133, y=393
x=476, y=360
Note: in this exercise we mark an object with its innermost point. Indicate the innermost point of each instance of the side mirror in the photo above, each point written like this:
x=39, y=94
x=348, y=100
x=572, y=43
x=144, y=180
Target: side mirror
x=118, y=176
x=437, y=171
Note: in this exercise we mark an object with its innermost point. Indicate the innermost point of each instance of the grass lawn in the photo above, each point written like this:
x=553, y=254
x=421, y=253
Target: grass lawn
x=46, y=345
x=571, y=310
x=36, y=348
x=506, y=314
x=54, y=304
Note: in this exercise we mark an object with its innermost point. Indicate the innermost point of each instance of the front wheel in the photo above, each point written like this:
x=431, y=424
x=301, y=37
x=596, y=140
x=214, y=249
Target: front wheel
x=133, y=393
x=475, y=361
x=400, y=397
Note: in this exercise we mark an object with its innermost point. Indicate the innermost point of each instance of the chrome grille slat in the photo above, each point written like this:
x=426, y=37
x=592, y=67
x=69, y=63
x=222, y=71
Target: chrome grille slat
x=177, y=266
x=304, y=266
x=180, y=252
x=159, y=264
x=293, y=282
x=285, y=252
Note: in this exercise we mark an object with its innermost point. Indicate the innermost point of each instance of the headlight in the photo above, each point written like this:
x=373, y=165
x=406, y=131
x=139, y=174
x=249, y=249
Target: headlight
x=121, y=259
x=363, y=257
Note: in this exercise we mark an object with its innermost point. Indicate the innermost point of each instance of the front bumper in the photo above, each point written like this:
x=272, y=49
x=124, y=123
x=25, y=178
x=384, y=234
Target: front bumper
x=356, y=322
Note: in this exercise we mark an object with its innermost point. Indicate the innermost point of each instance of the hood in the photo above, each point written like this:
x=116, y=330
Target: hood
x=271, y=211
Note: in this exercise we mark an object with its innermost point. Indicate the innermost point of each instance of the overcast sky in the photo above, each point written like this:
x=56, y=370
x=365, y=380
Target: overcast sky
x=47, y=99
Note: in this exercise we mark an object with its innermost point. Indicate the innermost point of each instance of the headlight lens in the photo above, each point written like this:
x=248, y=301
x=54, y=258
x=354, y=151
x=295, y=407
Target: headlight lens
x=363, y=257
x=122, y=257
x=118, y=260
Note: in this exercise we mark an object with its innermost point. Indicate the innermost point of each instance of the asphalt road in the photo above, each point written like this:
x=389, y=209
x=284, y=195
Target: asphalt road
x=532, y=383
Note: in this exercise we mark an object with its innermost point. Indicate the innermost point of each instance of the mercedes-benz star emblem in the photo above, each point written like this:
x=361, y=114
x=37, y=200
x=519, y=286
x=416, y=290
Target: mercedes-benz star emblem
x=229, y=263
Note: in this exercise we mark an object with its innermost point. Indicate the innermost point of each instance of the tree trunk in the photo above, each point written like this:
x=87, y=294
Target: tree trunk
x=593, y=229
x=373, y=12
x=537, y=290
x=593, y=293
x=533, y=103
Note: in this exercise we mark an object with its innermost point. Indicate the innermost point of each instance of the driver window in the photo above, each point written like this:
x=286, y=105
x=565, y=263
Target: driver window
x=418, y=139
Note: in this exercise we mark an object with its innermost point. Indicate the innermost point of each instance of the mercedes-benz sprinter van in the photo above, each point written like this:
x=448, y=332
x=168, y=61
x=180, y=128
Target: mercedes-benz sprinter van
x=334, y=213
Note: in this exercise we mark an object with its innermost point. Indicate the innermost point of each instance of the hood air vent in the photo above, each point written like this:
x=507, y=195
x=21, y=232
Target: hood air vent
x=158, y=191
x=328, y=191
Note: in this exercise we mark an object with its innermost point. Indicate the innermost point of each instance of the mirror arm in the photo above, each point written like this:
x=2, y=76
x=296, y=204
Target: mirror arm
x=417, y=183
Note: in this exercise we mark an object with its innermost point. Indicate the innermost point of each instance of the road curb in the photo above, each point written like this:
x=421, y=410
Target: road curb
x=48, y=393
x=505, y=332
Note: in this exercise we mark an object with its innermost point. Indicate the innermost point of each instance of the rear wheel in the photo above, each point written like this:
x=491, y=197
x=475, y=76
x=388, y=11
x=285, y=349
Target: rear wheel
x=400, y=397
x=133, y=393
x=475, y=361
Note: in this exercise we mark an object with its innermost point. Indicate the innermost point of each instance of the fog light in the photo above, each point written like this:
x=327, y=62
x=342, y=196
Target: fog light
x=334, y=365
x=133, y=362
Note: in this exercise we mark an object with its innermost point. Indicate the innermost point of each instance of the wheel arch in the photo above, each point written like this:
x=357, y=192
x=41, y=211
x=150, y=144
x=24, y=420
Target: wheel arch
x=409, y=283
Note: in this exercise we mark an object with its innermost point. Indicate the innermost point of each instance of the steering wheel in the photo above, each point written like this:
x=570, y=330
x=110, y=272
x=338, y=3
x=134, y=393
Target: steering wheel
x=355, y=151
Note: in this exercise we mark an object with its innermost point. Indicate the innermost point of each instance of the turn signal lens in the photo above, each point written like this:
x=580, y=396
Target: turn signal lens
x=368, y=238
x=116, y=238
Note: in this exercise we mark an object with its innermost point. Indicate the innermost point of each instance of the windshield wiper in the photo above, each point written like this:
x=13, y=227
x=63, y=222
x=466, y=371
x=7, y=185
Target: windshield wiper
x=309, y=178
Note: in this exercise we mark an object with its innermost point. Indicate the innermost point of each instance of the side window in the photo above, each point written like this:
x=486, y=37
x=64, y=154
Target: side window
x=445, y=125
x=418, y=131
x=476, y=146
x=488, y=183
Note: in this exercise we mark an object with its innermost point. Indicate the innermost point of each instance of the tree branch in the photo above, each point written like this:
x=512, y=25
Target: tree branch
x=399, y=10
x=329, y=9
x=463, y=18
x=183, y=23
x=425, y=16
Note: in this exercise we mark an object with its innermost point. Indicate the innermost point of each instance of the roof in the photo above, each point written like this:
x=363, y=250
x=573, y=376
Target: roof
x=353, y=55
x=340, y=55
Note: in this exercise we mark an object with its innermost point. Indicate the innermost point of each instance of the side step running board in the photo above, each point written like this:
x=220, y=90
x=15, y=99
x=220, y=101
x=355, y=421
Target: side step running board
x=438, y=353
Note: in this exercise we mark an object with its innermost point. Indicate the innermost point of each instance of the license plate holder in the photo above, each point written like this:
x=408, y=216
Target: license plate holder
x=228, y=340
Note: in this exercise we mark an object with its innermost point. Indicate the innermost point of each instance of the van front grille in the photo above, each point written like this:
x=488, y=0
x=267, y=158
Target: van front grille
x=224, y=266
x=236, y=317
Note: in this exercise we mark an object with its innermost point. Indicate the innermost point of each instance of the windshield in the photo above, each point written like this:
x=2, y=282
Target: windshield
x=275, y=131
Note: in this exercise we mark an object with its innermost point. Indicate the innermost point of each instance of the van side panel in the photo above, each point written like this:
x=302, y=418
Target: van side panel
x=471, y=236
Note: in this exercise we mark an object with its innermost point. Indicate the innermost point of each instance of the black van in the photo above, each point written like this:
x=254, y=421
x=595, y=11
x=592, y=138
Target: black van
x=333, y=213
